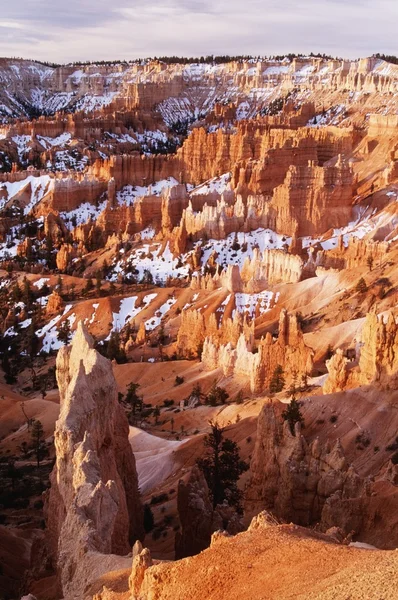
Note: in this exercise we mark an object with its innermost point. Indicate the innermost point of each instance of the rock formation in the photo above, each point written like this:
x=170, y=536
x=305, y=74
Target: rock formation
x=307, y=483
x=93, y=506
x=237, y=357
x=198, y=519
x=378, y=358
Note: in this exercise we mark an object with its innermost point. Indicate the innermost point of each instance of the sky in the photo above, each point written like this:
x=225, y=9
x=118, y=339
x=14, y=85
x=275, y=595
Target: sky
x=70, y=30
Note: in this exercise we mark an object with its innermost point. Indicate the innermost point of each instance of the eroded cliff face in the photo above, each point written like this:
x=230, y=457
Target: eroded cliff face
x=93, y=506
x=378, y=357
x=310, y=483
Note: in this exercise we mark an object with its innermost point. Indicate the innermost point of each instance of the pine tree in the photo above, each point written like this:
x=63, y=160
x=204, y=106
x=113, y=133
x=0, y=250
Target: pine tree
x=156, y=414
x=60, y=285
x=277, y=381
x=114, y=350
x=88, y=287
x=216, y=395
x=361, y=286
x=49, y=252
x=27, y=296
x=222, y=467
x=64, y=332
x=369, y=262
x=133, y=402
x=149, y=521
x=292, y=414
x=235, y=244
x=98, y=282
x=38, y=443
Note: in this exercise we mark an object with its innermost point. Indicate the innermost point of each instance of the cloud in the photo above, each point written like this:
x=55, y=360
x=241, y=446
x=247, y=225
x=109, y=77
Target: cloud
x=102, y=29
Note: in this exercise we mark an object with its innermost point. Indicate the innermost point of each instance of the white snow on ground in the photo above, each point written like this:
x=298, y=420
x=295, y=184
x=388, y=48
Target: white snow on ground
x=246, y=303
x=365, y=223
x=22, y=142
x=128, y=194
x=362, y=545
x=50, y=331
x=217, y=184
x=148, y=233
x=275, y=70
x=155, y=321
x=90, y=103
x=23, y=325
x=91, y=320
x=122, y=137
x=39, y=187
x=41, y=282
x=243, y=111
x=85, y=212
x=304, y=72
x=148, y=257
x=221, y=308
x=261, y=238
x=332, y=116
x=60, y=140
x=318, y=381
x=154, y=457
x=128, y=311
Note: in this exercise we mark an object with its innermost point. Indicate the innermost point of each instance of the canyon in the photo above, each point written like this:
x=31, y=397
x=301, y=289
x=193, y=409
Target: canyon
x=199, y=258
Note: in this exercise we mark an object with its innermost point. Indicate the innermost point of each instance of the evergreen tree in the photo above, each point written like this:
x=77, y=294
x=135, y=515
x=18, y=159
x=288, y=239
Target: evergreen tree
x=217, y=395
x=222, y=467
x=361, y=286
x=60, y=285
x=369, y=262
x=16, y=293
x=27, y=296
x=133, y=402
x=147, y=277
x=161, y=335
x=64, y=332
x=38, y=443
x=50, y=258
x=149, y=521
x=277, y=381
x=88, y=287
x=98, y=282
x=235, y=244
x=239, y=397
x=292, y=414
x=114, y=350
x=156, y=414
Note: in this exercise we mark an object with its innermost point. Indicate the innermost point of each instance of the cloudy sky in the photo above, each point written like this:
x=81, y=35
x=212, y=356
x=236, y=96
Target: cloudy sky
x=66, y=30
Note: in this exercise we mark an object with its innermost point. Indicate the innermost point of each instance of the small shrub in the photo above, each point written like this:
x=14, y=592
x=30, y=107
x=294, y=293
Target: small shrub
x=159, y=498
x=178, y=380
x=394, y=458
x=333, y=419
x=149, y=521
